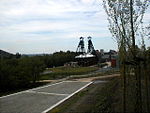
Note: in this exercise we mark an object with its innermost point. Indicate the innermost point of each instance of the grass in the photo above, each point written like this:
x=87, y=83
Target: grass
x=61, y=72
x=108, y=72
x=108, y=97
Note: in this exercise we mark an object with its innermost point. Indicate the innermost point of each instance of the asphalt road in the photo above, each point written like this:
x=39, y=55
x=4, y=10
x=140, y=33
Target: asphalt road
x=40, y=99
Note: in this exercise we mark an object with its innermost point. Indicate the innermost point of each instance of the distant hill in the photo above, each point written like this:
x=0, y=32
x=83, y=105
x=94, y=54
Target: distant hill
x=4, y=54
x=31, y=55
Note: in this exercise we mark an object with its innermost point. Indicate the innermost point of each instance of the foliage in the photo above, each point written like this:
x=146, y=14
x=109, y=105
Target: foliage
x=21, y=71
x=16, y=73
x=106, y=98
x=58, y=58
x=119, y=17
x=125, y=23
x=32, y=67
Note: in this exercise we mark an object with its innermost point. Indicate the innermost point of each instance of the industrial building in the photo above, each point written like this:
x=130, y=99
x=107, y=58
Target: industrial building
x=86, y=58
x=92, y=56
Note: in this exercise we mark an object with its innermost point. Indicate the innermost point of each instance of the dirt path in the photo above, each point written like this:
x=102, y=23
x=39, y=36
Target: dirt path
x=89, y=79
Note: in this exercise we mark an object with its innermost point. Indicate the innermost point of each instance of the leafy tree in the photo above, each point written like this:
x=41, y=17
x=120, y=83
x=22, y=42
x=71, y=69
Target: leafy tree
x=18, y=73
x=8, y=74
x=18, y=55
x=30, y=69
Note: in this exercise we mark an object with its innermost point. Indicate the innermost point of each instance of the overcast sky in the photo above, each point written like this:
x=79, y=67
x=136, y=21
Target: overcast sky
x=46, y=26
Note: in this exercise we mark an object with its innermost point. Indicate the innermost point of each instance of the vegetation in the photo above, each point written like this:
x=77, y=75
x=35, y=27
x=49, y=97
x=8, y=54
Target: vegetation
x=19, y=72
x=126, y=25
x=58, y=58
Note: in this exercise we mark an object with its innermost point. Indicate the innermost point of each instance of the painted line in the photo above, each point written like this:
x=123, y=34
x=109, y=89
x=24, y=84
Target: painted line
x=46, y=86
x=35, y=89
x=31, y=89
x=66, y=98
x=59, y=94
x=13, y=94
x=76, y=81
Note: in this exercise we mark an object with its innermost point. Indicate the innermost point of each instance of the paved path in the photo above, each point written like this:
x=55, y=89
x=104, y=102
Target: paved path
x=41, y=99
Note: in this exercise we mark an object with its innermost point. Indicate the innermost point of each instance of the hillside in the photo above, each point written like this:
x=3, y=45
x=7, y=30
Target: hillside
x=4, y=54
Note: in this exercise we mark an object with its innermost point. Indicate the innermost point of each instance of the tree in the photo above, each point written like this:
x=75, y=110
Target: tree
x=20, y=73
x=8, y=74
x=30, y=69
x=18, y=55
x=125, y=20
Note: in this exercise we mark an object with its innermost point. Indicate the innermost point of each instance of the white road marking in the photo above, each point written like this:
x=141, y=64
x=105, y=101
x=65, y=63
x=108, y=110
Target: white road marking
x=74, y=81
x=50, y=108
x=46, y=86
x=31, y=89
x=66, y=98
x=35, y=89
x=13, y=94
x=59, y=94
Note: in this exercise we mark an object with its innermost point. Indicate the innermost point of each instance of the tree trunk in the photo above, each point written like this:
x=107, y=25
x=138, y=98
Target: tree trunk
x=138, y=106
x=132, y=28
x=139, y=88
x=124, y=86
x=146, y=84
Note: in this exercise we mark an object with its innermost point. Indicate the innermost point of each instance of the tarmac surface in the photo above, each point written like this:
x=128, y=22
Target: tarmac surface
x=41, y=99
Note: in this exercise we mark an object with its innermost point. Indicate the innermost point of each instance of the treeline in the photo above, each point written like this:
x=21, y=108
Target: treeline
x=58, y=58
x=20, y=72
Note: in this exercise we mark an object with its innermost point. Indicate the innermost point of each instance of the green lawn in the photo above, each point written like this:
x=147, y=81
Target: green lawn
x=61, y=72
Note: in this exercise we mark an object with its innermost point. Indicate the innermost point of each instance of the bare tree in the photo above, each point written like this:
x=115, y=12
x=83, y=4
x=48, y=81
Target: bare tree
x=125, y=18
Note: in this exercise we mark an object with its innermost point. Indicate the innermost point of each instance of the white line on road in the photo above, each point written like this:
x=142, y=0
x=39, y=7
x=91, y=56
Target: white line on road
x=31, y=89
x=35, y=88
x=59, y=94
x=66, y=98
x=45, y=86
x=13, y=94
x=74, y=81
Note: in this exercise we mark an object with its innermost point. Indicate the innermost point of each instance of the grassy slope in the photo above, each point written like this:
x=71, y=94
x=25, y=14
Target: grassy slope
x=60, y=72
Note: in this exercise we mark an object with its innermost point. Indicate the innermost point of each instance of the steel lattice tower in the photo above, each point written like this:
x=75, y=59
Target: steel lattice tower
x=90, y=46
x=80, y=48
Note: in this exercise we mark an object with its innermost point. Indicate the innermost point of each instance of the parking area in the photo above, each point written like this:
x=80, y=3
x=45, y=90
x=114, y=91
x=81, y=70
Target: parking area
x=41, y=99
